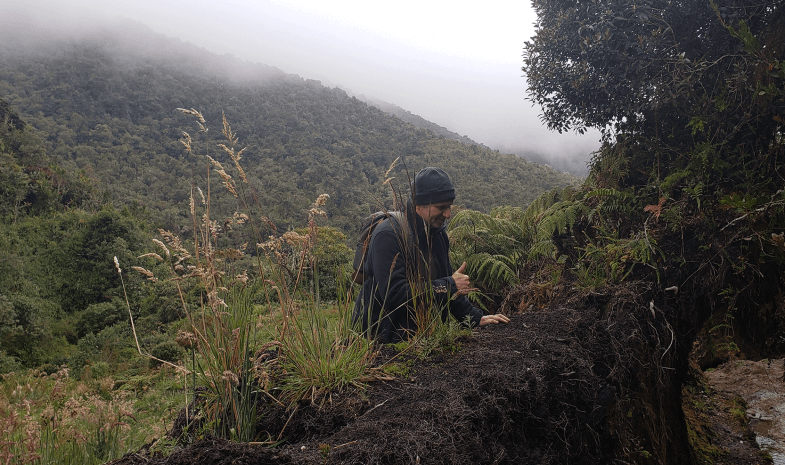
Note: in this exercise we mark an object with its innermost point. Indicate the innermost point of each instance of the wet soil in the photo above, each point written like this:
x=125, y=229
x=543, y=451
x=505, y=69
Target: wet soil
x=596, y=380
x=718, y=428
x=550, y=387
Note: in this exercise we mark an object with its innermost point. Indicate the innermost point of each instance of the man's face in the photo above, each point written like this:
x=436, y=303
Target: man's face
x=435, y=214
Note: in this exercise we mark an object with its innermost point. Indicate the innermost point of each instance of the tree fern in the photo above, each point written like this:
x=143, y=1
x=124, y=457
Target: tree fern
x=494, y=271
x=491, y=245
x=495, y=246
x=560, y=217
x=543, y=248
x=545, y=201
x=611, y=202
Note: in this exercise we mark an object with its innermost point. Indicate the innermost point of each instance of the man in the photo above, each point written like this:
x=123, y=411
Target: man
x=408, y=267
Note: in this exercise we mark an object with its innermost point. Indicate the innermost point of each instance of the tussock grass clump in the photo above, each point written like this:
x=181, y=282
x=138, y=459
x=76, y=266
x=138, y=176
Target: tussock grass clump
x=230, y=342
x=53, y=418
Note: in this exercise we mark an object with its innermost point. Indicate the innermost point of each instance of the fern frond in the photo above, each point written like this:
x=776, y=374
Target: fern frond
x=493, y=271
x=474, y=232
x=611, y=201
x=560, y=217
x=543, y=248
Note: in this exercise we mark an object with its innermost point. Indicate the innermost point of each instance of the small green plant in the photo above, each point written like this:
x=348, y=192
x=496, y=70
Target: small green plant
x=610, y=260
x=399, y=369
x=739, y=414
x=444, y=338
x=324, y=450
x=164, y=446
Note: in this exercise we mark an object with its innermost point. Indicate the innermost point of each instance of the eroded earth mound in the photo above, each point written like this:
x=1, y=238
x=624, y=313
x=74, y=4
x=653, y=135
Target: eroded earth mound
x=586, y=382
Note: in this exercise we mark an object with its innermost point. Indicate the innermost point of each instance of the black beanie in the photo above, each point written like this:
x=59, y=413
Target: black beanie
x=432, y=185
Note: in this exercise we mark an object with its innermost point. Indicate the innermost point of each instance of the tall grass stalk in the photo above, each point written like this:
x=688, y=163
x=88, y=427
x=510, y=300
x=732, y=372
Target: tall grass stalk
x=52, y=418
x=318, y=355
x=225, y=366
x=321, y=354
x=222, y=327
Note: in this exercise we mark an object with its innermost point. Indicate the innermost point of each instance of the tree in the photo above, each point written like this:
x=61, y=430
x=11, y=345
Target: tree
x=86, y=270
x=30, y=183
x=621, y=62
x=689, y=94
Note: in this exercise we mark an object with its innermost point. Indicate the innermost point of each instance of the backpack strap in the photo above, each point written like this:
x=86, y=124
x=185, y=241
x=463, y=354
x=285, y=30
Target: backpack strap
x=366, y=234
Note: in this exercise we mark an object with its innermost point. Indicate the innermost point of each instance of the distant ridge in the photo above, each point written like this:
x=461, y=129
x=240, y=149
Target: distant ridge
x=105, y=98
x=416, y=120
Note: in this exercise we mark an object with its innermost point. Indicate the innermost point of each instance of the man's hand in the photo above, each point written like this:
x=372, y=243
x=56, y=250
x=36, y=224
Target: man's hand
x=494, y=319
x=462, y=280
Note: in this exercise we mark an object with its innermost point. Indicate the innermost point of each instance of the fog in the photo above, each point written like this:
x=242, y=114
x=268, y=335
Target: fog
x=459, y=67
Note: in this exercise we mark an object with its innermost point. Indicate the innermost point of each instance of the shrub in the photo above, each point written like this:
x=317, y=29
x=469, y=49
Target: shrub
x=167, y=351
x=97, y=317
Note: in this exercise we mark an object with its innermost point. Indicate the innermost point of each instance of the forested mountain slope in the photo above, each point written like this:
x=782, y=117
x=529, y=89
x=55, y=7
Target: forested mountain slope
x=107, y=101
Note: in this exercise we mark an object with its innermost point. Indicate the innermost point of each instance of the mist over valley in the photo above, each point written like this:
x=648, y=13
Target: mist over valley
x=105, y=100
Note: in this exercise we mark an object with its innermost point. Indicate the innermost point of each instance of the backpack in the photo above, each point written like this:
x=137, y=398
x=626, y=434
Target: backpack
x=366, y=231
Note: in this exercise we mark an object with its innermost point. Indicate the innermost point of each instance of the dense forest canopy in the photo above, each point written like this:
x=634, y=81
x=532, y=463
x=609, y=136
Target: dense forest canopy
x=624, y=63
x=688, y=94
x=104, y=104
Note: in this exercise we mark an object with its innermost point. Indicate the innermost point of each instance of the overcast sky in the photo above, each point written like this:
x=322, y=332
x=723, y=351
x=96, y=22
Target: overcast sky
x=458, y=66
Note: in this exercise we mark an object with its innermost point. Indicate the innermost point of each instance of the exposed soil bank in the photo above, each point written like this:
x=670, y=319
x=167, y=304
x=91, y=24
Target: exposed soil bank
x=591, y=377
x=560, y=386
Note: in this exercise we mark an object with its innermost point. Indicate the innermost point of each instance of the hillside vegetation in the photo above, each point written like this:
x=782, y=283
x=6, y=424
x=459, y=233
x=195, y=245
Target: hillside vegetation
x=107, y=103
x=94, y=164
x=669, y=258
x=96, y=161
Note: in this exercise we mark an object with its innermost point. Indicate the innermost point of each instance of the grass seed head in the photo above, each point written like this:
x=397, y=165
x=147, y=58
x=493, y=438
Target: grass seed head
x=146, y=272
x=162, y=245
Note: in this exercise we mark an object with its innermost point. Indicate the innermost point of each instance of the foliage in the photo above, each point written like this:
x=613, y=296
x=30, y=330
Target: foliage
x=631, y=64
x=690, y=98
x=329, y=270
x=443, y=339
x=492, y=245
x=97, y=317
x=498, y=245
x=322, y=354
x=25, y=329
x=611, y=260
x=30, y=183
x=106, y=108
x=167, y=351
x=231, y=358
x=226, y=341
x=221, y=327
x=54, y=418
x=688, y=110
x=112, y=346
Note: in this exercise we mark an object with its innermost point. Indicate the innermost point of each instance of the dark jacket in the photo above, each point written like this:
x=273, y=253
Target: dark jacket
x=384, y=305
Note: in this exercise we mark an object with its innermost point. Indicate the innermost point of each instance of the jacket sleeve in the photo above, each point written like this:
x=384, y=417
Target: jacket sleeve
x=461, y=308
x=389, y=271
